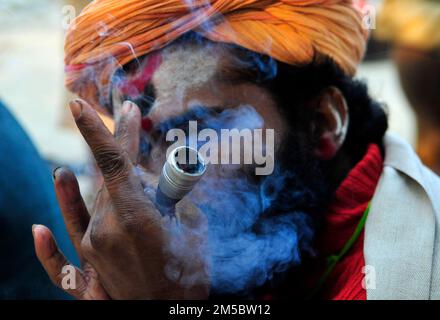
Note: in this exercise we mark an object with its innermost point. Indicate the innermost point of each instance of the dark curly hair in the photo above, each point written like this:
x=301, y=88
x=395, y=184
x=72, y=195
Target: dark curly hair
x=368, y=118
x=294, y=87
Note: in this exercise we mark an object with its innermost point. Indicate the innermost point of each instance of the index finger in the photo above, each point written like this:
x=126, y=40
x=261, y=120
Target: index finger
x=112, y=160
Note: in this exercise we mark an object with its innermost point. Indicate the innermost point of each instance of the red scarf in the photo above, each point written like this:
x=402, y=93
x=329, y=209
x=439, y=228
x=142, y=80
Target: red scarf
x=349, y=204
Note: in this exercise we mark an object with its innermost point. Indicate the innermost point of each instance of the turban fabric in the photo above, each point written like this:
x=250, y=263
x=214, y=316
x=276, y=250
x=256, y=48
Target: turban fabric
x=414, y=23
x=110, y=33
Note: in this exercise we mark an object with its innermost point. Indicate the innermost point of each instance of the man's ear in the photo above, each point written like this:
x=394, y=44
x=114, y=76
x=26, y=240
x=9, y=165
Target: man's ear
x=331, y=123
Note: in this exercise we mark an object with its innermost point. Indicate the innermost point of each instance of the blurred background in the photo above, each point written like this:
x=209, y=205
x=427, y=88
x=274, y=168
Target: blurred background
x=32, y=77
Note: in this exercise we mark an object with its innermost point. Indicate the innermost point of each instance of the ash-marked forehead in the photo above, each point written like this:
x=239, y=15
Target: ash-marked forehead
x=185, y=67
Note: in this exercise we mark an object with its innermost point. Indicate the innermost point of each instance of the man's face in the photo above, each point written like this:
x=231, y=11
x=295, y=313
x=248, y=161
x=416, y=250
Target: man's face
x=247, y=242
x=186, y=77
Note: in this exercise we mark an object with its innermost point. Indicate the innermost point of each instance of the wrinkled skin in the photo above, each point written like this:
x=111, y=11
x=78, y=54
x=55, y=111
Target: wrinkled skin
x=122, y=218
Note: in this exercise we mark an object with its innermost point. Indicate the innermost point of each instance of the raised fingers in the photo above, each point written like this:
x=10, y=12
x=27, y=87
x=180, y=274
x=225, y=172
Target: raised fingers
x=122, y=184
x=128, y=130
x=111, y=159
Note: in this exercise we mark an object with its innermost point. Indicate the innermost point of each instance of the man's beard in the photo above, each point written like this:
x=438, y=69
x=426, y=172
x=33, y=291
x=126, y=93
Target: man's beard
x=261, y=228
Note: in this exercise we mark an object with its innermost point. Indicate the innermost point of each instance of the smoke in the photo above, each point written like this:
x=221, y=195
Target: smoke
x=257, y=227
x=252, y=236
x=246, y=248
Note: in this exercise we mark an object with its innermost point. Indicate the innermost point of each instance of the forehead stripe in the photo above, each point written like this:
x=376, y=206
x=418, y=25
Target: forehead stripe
x=135, y=86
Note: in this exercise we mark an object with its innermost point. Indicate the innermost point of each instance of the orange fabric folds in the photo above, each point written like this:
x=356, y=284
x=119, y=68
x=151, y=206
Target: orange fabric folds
x=111, y=33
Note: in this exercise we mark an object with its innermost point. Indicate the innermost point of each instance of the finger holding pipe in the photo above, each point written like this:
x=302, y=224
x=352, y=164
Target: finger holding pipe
x=128, y=130
x=116, y=167
x=110, y=158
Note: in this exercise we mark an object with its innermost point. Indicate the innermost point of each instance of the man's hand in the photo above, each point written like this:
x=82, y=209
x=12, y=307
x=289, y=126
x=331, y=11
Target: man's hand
x=127, y=249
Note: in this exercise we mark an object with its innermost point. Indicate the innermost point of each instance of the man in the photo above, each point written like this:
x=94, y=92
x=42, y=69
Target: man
x=281, y=65
x=413, y=29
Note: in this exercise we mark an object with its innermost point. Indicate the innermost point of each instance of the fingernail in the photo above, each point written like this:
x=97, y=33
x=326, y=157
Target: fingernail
x=38, y=229
x=35, y=226
x=76, y=108
x=55, y=173
x=126, y=108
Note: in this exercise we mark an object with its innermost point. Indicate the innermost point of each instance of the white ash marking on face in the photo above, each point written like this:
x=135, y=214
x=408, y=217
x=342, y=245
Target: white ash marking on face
x=184, y=68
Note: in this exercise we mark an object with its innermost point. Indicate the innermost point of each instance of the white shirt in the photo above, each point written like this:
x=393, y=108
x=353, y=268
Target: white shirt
x=402, y=239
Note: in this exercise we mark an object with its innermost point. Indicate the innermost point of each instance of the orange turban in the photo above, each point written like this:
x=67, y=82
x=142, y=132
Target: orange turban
x=110, y=33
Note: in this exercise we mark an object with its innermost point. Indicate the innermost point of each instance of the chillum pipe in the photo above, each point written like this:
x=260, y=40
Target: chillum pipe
x=181, y=172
